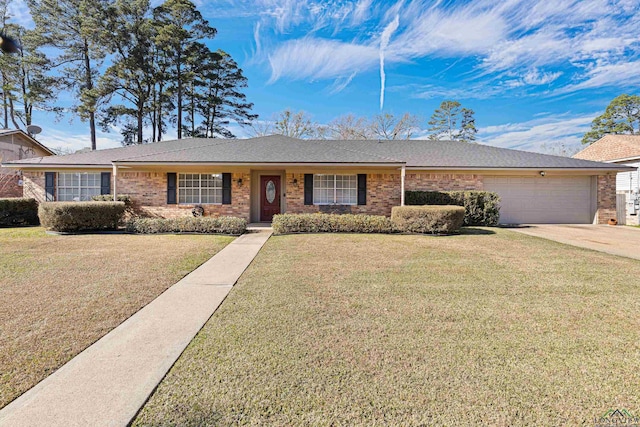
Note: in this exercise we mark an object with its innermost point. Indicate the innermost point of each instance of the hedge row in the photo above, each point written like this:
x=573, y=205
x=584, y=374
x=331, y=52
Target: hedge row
x=481, y=207
x=331, y=223
x=81, y=216
x=428, y=219
x=207, y=225
x=18, y=211
x=414, y=219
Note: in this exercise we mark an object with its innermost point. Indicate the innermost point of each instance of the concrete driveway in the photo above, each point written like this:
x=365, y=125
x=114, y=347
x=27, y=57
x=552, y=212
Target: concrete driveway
x=616, y=240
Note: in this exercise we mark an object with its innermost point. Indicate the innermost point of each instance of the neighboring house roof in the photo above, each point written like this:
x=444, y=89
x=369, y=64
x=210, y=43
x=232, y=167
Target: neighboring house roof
x=611, y=148
x=27, y=137
x=280, y=149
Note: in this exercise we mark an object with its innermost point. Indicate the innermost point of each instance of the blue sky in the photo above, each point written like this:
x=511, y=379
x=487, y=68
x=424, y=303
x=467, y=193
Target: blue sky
x=535, y=72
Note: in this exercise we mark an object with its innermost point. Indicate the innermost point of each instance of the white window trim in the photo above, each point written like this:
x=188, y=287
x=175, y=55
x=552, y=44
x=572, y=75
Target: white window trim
x=178, y=188
x=79, y=186
x=335, y=190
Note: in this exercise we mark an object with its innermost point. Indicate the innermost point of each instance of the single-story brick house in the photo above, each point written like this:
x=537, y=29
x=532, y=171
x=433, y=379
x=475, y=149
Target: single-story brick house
x=621, y=150
x=16, y=144
x=259, y=177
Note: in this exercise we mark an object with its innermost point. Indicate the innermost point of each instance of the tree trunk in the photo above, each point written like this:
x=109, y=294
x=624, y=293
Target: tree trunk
x=13, y=117
x=140, y=117
x=6, y=108
x=193, y=111
x=92, y=128
x=179, y=76
x=159, y=123
x=89, y=86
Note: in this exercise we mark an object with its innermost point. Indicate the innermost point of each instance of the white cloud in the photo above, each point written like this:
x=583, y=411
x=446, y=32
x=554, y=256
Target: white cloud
x=463, y=30
x=515, y=43
x=540, y=134
x=341, y=83
x=535, y=77
x=623, y=74
x=361, y=11
x=69, y=141
x=313, y=58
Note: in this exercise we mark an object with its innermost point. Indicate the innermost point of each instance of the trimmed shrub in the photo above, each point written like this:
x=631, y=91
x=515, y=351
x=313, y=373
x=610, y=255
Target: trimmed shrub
x=19, y=211
x=81, y=216
x=328, y=223
x=428, y=219
x=205, y=225
x=481, y=207
x=124, y=198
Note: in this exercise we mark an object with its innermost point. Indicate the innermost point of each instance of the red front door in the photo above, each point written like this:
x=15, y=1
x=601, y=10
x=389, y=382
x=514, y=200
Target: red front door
x=269, y=197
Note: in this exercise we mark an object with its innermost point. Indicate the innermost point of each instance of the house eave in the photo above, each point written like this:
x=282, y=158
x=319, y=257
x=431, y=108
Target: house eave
x=517, y=169
x=123, y=163
x=53, y=166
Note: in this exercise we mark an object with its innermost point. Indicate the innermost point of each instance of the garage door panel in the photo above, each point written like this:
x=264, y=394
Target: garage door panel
x=540, y=200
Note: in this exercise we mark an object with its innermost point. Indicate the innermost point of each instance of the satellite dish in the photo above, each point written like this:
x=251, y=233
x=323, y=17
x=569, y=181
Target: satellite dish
x=33, y=129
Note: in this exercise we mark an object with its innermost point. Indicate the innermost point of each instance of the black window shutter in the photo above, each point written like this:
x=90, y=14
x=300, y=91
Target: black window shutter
x=50, y=186
x=362, y=189
x=172, y=181
x=226, y=188
x=308, y=188
x=105, y=183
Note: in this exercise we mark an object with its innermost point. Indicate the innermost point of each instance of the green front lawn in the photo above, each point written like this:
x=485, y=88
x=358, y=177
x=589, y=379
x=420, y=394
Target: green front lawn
x=59, y=294
x=493, y=329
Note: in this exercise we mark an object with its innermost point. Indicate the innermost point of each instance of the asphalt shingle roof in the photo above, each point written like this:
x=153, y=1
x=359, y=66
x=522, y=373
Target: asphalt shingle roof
x=281, y=149
x=612, y=147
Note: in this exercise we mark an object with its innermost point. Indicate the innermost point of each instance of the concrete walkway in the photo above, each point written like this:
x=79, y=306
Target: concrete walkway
x=615, y=240
x=108, y=383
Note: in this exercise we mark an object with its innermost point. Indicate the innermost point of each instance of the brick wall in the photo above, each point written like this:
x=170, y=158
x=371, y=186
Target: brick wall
x=383, y=192
x=9, y=186
x=606, y=198
x=33, y=185
x=442, y=182
x=148, y=190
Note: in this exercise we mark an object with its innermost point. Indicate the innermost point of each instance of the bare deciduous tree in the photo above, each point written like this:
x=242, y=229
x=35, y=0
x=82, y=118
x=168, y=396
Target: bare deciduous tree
x=389, y=126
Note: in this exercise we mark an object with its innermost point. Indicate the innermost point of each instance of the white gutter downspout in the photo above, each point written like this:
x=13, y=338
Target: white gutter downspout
x=402, y=175
x=115, y=180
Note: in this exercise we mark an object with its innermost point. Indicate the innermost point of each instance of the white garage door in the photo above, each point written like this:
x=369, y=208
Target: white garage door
x=542, y=200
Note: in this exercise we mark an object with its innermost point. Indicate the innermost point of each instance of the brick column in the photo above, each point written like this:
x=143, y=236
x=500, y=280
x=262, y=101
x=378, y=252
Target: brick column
x=606, y=198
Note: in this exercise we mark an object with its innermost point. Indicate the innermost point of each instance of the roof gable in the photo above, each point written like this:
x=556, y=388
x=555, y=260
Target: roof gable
x=26, y=138
x=612, y=147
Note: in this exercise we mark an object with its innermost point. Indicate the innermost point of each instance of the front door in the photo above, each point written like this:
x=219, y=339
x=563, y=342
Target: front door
x=269, y=197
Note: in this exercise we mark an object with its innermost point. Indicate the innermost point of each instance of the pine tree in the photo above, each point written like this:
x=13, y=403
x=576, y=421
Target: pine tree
x=622, y=116
x=179, y=25
x=26, y=80
x=444, y=123
x=131, y=74
x=75, y=29
x=222, y=100
x=468, y=129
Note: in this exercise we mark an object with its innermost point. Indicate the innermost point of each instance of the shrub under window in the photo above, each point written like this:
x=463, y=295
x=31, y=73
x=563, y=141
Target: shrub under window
x=82, y=216
x=18, y=211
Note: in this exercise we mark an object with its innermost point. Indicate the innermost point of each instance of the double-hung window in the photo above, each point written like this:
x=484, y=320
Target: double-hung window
x=77, y=186
x=199, y=188
x=335, y=189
